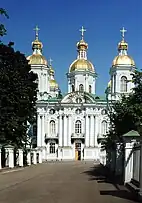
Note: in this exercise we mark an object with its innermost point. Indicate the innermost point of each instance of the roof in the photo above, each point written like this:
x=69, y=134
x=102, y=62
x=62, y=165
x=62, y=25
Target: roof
x=131, y=133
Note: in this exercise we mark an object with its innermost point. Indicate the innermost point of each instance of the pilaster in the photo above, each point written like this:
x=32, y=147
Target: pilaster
x=65, y=131
x=92, y=135
x=60, y=131
x=39, y=130
x=87, y=131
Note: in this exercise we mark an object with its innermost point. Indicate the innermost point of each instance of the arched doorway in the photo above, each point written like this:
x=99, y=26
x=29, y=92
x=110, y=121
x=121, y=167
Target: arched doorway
x=78, y=150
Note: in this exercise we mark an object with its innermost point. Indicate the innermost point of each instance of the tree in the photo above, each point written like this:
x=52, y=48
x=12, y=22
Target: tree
x=2, y=27
x=125, y=114
x=18, y=90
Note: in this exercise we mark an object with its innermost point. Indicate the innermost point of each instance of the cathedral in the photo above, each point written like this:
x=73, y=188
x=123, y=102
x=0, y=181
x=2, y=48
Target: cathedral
x=69, y=126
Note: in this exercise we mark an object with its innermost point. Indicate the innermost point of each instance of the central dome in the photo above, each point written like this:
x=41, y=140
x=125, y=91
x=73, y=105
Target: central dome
x=81, y=65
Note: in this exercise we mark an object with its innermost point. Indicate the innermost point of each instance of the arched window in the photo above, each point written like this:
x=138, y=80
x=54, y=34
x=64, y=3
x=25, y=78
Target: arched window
x=90, y=89
x=72, y=88
x=104, y=127
x=78, y=127
x=52, y=148
x=123, y=87
x=52, y=127
x=81, y=88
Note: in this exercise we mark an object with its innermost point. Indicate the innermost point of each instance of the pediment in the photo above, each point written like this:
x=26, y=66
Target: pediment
x=78, y=97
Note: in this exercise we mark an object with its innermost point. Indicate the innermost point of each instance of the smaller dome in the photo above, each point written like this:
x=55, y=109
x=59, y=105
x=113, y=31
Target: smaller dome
x=37, y=59
x=123, y=60
x=82, y=45
x=36, y=44
x=81, y=65
x=122, y=45
x=53, y=84
x=109, y=84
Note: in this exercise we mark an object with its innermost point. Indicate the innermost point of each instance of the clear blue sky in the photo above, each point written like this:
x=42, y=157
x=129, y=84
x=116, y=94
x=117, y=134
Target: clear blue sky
x=59, y=22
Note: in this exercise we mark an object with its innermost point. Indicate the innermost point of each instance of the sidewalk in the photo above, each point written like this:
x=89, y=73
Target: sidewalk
x=109, y=185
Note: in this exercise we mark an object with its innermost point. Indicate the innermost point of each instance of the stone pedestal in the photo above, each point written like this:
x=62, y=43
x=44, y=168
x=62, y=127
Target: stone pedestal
x=29, y=158
x=20, y=157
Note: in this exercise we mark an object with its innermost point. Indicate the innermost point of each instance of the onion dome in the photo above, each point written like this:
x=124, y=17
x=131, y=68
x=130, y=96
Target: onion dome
x=52, y=82
x=37, y=58
x=81, y=63
x=123, y=59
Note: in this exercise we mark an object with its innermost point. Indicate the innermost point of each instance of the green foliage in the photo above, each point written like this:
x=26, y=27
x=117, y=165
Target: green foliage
x=2, y=27
x=125, y=114
x=18, y=91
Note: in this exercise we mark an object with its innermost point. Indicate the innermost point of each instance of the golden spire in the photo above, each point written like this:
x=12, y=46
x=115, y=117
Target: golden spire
x=36, y=29
x=36, y=44
x=50, y=61
x=123, y=45
x=82, y=30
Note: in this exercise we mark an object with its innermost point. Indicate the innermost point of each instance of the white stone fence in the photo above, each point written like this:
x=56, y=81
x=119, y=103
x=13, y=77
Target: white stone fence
x=126, y=160
x=11, y=157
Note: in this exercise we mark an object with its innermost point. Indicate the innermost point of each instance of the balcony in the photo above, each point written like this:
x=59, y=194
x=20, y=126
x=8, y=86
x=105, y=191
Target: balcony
x=52, y=136
x=78, y=135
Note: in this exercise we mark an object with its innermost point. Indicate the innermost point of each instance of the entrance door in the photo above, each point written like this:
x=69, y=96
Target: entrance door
x=77, y=151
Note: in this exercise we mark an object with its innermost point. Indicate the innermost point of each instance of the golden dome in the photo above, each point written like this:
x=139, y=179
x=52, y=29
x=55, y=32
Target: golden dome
x=37, y=59
x=123, y=60
x=53, y=83
x=81, y=65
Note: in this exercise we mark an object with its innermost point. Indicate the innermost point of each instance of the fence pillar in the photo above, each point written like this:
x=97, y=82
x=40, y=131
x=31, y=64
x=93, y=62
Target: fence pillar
x=0, y=159
x=29, y=158
x=140, y=192
x=34, y=157
x=20, y=157
x=11, y=157
x=40, y=155
x=130, y=139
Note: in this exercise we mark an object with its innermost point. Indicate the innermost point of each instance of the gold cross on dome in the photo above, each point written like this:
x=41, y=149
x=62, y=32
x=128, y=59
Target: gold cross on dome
x=50, y=62
x=36, y=29
x=123, y=32
x=82, y=30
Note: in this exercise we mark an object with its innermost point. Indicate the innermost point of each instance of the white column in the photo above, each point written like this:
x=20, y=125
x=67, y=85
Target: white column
x=96, y=129
x=20, y=157
x=87, y=131
x=65, y=131
x=34, y=157
x=39, y=130
x=29, y=158
x=92, y=135
x=69, y=129
x=0, y=159
x=60, y=131
x=11, y=157
x=43, y=131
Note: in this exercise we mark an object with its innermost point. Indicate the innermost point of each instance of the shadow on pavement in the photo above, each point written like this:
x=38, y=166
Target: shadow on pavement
x=101, y=174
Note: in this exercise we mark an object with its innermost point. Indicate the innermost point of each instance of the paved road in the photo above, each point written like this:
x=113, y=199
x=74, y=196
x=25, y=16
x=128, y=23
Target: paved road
x=60, y=183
